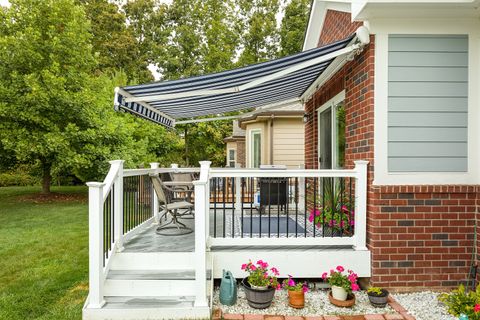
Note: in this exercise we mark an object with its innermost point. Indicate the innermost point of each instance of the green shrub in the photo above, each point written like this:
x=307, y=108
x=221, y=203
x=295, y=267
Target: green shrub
x=17, y=178
x=460, y=301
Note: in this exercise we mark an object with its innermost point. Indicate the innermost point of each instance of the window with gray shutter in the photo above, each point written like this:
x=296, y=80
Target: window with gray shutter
x=427, y=103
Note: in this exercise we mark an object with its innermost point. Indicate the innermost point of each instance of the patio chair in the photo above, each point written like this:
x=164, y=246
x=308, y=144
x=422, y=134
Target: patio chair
x=184, y=190
x=169, y=208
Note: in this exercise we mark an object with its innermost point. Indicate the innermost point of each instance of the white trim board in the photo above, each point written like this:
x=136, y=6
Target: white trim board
x=382, y=28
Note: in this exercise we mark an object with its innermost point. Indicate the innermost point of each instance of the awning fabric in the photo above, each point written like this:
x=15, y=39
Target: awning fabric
x=178, y=99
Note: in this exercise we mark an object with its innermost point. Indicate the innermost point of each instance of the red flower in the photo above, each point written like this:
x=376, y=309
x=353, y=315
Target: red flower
x=476, y=308
x=340, y=269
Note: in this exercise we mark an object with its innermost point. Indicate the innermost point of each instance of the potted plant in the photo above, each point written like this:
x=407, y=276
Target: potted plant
x=334, y=216
x=261, y=283
x=296, y=292
x=343, y=285
x=378, y=296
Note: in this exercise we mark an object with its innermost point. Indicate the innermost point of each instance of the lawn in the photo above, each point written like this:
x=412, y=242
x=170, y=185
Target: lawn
x=43, y=253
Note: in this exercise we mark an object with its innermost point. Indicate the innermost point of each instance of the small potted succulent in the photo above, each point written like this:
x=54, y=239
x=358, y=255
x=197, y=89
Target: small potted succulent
x=296, y=292
x=343, y=285
x=378, y=296
x=260, y=284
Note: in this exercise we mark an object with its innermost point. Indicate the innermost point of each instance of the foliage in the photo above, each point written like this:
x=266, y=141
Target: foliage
x=18, y=177
x=338, y=278
x=377, y=292
x=44, y=250
x=334, y=211
x=293, y=27
x=290, y=285
x=461, y=301
x=260, y=275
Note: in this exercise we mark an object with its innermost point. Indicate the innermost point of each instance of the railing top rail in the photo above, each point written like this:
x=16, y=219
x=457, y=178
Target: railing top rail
x=285, y=173
x=116, y=166
x=141, y=172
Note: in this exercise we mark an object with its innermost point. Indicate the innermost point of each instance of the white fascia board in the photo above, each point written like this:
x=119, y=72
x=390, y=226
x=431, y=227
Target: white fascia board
x=317, y=19
x=127, y=95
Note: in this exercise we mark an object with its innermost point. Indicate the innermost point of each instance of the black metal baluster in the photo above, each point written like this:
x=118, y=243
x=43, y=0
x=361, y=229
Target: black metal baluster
x=224, y=181
x=243, y=195
x=278, y=206
x=288, y=198
x=305, y=208
x=323, y=207
x=251, y=206
x=351, y=206
x=215, y=207
x=296, y=206
x=269, y=201
x=233, y=207
x=341, y=207
x=112, y=236
x=314, y=204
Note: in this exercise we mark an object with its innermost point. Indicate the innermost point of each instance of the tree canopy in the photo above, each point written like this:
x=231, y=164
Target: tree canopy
x=61, y=59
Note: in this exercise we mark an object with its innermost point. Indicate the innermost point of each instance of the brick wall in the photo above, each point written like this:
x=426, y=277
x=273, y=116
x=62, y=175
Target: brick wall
x=241, y=153
x=419, y=236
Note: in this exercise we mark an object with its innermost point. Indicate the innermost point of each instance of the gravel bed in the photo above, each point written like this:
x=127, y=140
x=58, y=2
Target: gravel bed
x=316, y=303
x=424, y=305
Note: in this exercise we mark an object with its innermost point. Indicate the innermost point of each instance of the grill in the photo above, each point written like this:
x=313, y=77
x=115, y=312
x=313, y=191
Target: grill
x=273, y=191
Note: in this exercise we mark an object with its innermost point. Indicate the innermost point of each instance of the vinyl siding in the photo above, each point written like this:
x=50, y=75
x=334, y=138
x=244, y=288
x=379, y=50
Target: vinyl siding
x=288, y=142
x=427, y=103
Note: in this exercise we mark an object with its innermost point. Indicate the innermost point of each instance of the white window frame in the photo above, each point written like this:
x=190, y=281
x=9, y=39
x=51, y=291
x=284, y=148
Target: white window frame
x=332, y=103
x=229, y=159
x=250, y=146
x=382, y=29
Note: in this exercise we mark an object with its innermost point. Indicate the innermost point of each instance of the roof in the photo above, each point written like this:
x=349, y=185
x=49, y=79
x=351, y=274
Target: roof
x=259, y=85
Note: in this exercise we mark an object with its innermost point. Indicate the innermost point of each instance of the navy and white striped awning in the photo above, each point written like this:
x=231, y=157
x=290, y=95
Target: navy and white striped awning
x=253, y=86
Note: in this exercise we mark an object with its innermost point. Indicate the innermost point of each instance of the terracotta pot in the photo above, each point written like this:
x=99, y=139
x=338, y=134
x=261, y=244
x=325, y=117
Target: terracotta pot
x=296, y=299
x=339, y=293
x=258, y=299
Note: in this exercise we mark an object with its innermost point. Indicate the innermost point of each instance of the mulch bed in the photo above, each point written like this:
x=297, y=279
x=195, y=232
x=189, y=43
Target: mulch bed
x=53, y=197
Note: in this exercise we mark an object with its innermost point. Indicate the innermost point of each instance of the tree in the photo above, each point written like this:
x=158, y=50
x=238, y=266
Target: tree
x=116, y=46
x=45, y=84
x=257, y=25
x=292, y=29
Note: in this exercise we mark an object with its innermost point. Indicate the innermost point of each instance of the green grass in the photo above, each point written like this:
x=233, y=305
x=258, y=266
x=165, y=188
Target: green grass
x=43, y=255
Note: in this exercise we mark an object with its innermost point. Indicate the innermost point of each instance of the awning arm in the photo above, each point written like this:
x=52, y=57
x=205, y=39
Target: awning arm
x=117, y=105
x=271, y=106
x=251, y=84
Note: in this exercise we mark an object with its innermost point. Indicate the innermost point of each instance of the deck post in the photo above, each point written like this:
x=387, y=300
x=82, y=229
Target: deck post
x=95, y=244
x=118, y=205
x=361, y=205
x=301, y=190
x=154, y=165
x=202, y=208
x=238, y=192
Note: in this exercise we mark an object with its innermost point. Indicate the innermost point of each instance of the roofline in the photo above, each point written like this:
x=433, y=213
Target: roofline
x=272, y=114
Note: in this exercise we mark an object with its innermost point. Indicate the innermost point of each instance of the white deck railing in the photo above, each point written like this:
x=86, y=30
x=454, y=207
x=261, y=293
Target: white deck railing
x=112, y=205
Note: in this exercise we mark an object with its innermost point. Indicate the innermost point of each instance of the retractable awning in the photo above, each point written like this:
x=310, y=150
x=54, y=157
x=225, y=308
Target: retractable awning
x=258, y=85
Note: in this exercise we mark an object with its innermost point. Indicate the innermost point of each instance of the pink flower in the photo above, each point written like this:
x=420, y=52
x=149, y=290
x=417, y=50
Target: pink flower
x=244, y=266
x=340, y=269
x=332, y=271
x=476, y=308
x=279, y=287
x=310, y=218
x=317, y=212
x=305, y=288
x=253, y=268
x=324, y=276
x=355, y=287
x=275, y=271
x=291, y=283
x=344, y=208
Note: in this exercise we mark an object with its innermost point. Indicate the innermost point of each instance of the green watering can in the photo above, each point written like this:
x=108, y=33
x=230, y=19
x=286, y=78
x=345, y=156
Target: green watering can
x=228, y=289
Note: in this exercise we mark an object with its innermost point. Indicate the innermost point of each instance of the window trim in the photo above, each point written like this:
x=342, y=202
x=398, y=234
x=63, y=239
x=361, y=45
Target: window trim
x=230, y=159
x=332, y=103
x=250, y=146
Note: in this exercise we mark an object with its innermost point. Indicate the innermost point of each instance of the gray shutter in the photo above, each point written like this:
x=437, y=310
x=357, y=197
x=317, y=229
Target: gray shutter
x=427, y=103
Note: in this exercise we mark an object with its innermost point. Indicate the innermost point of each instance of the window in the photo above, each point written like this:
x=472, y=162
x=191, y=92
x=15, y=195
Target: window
x=255, y=148
x=231, y=159
x=331, y=134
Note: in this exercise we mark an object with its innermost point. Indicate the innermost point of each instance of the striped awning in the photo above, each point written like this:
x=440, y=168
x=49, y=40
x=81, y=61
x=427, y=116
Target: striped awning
x=253, y=86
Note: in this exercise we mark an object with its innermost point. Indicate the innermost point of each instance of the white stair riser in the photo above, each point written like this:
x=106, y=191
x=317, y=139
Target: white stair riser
x=152, y=288
x=150, y=314
x=153, y=261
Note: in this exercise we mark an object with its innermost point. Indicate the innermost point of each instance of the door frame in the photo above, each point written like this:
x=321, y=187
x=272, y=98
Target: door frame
x=332, y=103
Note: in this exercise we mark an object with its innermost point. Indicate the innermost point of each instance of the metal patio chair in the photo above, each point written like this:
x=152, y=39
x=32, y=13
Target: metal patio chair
x=171, y=208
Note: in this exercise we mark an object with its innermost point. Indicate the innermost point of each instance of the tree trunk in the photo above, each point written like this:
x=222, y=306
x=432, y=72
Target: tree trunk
x=46, y=178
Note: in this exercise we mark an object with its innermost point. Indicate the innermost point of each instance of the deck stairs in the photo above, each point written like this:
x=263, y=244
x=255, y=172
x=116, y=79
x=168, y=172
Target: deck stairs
x=152, y=285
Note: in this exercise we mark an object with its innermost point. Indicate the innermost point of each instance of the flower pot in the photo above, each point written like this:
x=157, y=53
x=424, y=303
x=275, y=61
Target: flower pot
x=258, y=299
x=349, y=302
x=378, y=301
x=339, y=293
x=296, y=299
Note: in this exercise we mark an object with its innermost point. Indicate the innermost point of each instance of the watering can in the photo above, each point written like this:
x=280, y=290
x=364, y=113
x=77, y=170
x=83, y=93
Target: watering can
x=463, y=317
x=228, y=289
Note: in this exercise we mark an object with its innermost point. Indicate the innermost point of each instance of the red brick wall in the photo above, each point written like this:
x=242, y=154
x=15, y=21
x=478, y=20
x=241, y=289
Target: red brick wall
x=337, y=26
x=419, y=236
